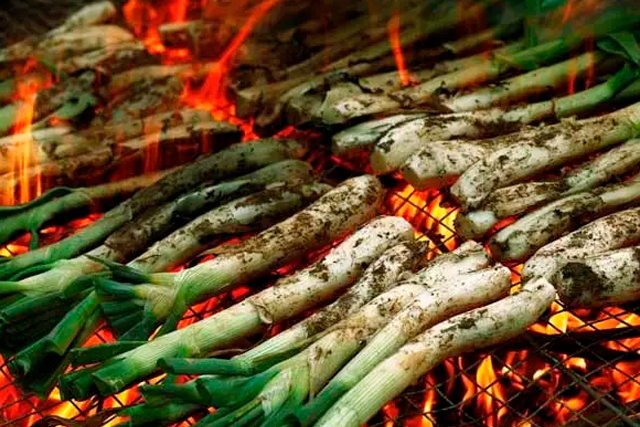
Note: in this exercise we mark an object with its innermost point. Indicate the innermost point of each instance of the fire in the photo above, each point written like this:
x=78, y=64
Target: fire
x=393, y=28
x=427, y=212
x=491, y=399
x=213, y=95
x=145, y=19
x=24, y=155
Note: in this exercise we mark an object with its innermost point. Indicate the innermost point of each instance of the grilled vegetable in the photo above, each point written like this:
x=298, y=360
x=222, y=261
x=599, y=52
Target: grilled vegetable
x=293, y=381
x=521, y=239
x=429, y=158
x=465, y=332
x=323, y=221
x=516, y=199
x=68, y=43
x=441, y=300
x=362, y=137
x=608, y=233
x=553, y=146
x=32, y=216
x=291, y=296
x=610, y=278
x=469, y=257
x=233, y=160
x=602, y=169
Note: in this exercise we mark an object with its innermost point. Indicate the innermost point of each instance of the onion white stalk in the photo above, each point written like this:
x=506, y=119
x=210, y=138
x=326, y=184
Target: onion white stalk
x=442, y=300
x=168, y=295
x=610, y=278
x=361, y=137
x=466, y=332
x=521, y=239
x=290, y=383
x=614, y=231
x=518, y=198
x=549, y=149
x=385, y=273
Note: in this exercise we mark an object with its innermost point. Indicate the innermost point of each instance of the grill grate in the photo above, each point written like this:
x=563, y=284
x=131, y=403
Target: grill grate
x=536, y=380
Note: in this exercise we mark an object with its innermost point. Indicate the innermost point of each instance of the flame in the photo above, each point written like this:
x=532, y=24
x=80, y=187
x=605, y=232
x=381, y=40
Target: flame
x=391, y=412
x=24, y=155
x=213, y=95
x=393, y=28
x=491, y=400
x=145, y=18
x=429, y=401
x=425, y=210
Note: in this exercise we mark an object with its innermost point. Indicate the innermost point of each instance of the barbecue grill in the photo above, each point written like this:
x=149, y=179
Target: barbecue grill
x=574, y=367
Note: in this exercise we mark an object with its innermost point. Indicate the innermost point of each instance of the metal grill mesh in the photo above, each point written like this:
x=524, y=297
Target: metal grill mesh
x=538, y=379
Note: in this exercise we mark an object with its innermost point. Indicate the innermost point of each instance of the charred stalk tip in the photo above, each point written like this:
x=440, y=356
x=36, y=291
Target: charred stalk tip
x=578, y=285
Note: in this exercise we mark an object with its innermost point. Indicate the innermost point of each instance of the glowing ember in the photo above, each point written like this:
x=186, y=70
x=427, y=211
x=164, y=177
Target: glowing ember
x=396, y=45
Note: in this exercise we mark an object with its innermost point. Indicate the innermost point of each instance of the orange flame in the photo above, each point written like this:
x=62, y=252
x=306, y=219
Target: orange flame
x=213, y=94
x=491, y=400
x=396, y=46
x=425, y=211
x=145, y=19
x=24, y=155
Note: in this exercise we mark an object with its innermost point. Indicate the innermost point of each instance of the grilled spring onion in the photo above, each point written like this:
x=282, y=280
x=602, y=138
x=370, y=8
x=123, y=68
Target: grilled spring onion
x=32, y=216
x=233, y=160
x=380, y=276
x=361, y=137
x=521, y=239
x=314, y=363
x=608, y=233
x=466, y=332
x=167, y=295
x=513, y=200
x=504, y=203
x=252, y=213
x=277, y=390
x=610, y=278
x=155, y=223
x=422, y=151
x=289, y=297
x=468, y=257
x=504, y=60
x=549, y=149
x=440, y=301
x=62, y=45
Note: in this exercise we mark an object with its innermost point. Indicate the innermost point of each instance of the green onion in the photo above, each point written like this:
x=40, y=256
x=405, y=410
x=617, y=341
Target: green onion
x=482, y=327
x=291, y=296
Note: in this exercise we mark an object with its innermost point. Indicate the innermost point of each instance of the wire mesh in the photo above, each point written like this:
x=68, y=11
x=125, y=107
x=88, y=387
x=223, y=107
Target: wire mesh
x=577, y=368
